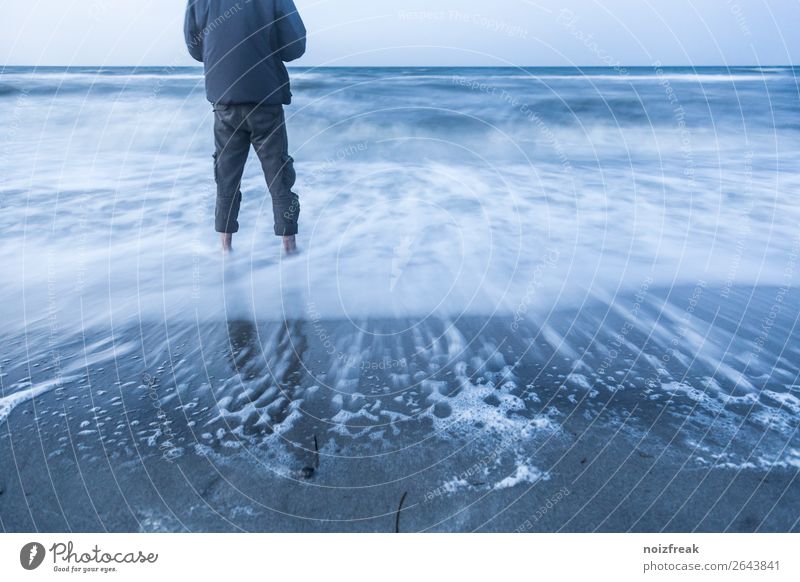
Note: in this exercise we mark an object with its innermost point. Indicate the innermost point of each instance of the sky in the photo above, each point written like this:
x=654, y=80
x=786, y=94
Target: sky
x=426, y=32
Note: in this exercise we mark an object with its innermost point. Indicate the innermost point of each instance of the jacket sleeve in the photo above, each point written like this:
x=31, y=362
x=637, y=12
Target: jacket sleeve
x=193, y=32
x=290, y=30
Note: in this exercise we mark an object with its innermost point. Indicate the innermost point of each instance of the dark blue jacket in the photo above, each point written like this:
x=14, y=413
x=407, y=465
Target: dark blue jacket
x=243, y=45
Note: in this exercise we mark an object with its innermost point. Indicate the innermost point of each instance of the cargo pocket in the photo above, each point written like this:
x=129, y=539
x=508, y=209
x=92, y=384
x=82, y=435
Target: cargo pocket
x=216, y=173
x=289, y=175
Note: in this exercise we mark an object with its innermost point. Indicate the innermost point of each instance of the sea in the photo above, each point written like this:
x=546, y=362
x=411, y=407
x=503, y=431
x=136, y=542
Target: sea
x=497, y=265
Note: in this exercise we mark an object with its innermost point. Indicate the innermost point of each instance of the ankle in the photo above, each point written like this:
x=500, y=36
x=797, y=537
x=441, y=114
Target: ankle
x=289, y=244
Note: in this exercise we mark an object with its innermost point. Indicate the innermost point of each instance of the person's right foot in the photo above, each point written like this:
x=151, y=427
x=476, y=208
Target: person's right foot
x=289, y=245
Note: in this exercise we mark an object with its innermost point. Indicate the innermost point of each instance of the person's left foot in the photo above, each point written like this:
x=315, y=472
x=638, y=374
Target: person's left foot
x=227, y=242
x=289, y=245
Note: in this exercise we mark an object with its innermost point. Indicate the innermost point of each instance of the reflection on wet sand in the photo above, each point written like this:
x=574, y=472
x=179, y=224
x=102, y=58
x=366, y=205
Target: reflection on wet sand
x=270, y=386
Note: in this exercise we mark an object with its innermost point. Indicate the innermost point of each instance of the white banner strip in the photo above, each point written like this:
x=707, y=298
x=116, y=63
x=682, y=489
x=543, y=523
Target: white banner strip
x=355, y=557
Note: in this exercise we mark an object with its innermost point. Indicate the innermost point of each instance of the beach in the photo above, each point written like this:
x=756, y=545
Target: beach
x=526, y=300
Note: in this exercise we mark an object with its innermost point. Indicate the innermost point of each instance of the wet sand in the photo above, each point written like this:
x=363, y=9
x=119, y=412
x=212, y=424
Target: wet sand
x=580, y=423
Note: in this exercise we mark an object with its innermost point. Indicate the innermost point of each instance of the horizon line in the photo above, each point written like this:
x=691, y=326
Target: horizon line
x=620, y=66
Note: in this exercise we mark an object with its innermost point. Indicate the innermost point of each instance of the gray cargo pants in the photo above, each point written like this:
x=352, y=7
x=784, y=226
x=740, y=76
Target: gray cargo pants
x=236, y=127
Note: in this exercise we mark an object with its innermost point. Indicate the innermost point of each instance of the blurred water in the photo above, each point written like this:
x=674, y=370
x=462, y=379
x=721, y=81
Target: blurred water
x=561, y=202
x=423, y=189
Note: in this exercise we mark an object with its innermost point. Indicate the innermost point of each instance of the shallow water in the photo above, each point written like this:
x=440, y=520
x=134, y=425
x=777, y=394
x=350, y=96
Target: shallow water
x=423, y=190
x=486, y=253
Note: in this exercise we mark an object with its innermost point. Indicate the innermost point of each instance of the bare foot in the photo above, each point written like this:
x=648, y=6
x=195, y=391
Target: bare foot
x=289, y=245
x=227, y=241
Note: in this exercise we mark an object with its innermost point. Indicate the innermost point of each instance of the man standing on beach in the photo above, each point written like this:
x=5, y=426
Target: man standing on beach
x=243, y=45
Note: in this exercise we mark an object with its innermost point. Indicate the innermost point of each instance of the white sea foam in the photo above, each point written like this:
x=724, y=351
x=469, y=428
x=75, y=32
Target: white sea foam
x=10, y=402
x=522, y=474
